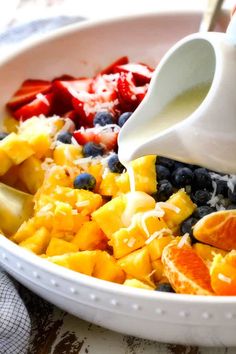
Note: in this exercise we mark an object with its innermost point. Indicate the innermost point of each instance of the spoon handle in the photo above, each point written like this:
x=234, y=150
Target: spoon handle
x=210, y=15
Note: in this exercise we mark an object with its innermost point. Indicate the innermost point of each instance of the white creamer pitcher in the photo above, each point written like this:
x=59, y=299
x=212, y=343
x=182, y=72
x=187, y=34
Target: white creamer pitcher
x=207, y=137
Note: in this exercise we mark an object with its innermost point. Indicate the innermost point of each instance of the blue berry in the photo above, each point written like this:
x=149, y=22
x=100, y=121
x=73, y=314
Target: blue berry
x=165, y=287
x=115, y=165
x=232, y=194
x=202, y=211
x=221, y=187
x=85, y=181
x=178, y=164
x=165, y=161
x=64, y=137
x=182, y=177
x=202, y=179
x=103, y=118
x=123, y=118
x=92, y=149
x=165, y=190
x=162, y=172
x=187, y=225
x=3, y=135
x=201, y=197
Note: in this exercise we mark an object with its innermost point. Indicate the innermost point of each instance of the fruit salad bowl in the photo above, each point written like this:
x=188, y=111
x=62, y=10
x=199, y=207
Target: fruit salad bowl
x=82, y=50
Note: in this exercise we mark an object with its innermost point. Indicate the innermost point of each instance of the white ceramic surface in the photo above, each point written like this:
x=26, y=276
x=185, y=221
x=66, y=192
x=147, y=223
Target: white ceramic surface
x=82, y=50
x=196, y=59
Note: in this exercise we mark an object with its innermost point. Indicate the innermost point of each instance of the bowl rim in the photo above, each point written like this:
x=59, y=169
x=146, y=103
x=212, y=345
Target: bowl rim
x=70, y=275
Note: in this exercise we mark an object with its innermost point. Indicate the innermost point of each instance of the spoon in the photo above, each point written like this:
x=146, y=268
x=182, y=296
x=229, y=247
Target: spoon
x=207, y=135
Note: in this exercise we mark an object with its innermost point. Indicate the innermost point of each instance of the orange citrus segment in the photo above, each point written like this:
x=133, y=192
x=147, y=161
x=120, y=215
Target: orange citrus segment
x=217, y=229
x=185, y=270
x=223, y=275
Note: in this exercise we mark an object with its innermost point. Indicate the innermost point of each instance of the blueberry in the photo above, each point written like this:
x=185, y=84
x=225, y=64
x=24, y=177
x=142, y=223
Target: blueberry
x=202, y=179
x=85, y=181
x=103, y=118
x=165, y=287
x=201, y=197
x=165, y=161
x=187, y=225
x=202, y=211
x=64, y=137
x=162, y=172
x=165, y=190
x=115, y=165
x=3, y=135
x=93, y=149
x=232, y=194
x=123, y=118
x=221, y=187
x=178, y=164
x=231, y=207
x=182, y=177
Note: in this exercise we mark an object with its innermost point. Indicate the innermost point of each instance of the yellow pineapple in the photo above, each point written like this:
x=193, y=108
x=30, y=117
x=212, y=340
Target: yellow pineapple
x=135, y=283
x=138, y=265
x=6, y=162
x=107, y=268
x=184, y=205
x=31, y=174
x=90, y=237
x=157, y=245
x=82, y=262
x=108, y=186
x=144, y=174
x=16, y=148
x=38, y=242
x=26, y=230
x=158, y=270
x=67, y=154
x=87, y=201
x=58, y=246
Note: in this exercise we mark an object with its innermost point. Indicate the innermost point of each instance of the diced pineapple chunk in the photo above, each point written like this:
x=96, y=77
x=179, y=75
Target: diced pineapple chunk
x=38, y=242
x=96, y=170
x=135, y=283
x=109, y=216
x=144, y=174
x=82, y=262
x=31, y=174
x=87, y=201
x=126, y=240
x=66, y=154
x=138, y=265
x=185, y=206
x=58, y=246
x=26, y=230
x=90, y=237
x=158, y=268
x=157, y=245
x=108, y=186
x=6, y=162
x=106, y=268
x=16, y=148
x=63, y=217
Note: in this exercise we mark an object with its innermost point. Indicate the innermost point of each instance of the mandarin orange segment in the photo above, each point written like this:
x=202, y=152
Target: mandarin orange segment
x=185, y=270
x=217, y=229
x=223, y=276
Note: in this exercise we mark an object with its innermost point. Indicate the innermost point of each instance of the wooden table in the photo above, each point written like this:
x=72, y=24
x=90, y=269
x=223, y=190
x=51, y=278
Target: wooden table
x=53, y=330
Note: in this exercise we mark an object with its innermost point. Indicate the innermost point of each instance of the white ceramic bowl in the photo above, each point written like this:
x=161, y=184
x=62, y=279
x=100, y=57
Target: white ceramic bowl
x=82, y=50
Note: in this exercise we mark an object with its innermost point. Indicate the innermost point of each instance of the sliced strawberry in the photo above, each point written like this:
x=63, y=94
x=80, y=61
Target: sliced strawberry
x=109, y=68
x=107, y=137
x=88, y=104
x=28, y=91
x=42, y=104
x=142, y=73
x=65, y=90
x=105, y=83
x=73, y=115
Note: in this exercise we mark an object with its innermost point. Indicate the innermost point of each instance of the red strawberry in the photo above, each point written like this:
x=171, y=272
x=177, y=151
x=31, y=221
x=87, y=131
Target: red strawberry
x=66, y=90
x=106, y=136
x=109, y=68
x=27, y=92
x=42, y=104
x=142, y=73
x=88, y=104
x=105, y=83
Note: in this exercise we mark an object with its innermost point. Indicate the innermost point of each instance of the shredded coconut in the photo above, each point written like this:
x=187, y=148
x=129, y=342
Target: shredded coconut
x=82, y=204
x=183, y=241
x=158, y=234
x=131, y=242
x=42, y=98
x=224, y=278
x=168, y=206
x=147, y=215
